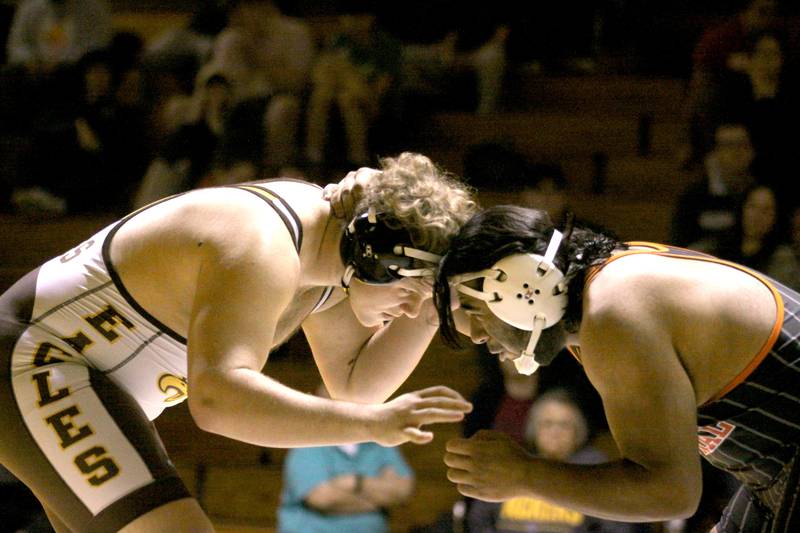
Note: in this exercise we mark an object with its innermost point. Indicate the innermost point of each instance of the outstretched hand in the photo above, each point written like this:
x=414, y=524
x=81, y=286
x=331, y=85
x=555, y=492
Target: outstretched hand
x=489, y=466
x=403, y=418
x=345, y=195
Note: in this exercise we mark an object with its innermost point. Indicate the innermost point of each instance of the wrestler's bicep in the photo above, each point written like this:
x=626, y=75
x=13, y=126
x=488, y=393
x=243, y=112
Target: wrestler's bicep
x=239, y=300
x=647, y=396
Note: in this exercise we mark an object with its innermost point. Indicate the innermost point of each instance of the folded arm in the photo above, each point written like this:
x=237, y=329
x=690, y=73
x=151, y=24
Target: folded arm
x=339, y=496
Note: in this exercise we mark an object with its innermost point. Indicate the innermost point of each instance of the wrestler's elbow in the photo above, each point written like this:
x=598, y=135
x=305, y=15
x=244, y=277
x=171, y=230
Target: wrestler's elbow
x=679, y=505
x=205, y=402
x=691, y=501
x=676, y=496
x=660, y=492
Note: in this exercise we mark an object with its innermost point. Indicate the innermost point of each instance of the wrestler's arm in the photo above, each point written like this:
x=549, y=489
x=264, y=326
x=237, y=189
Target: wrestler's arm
x=367, y=365
x=650, y=405
x=651, y=408
x=246, y=279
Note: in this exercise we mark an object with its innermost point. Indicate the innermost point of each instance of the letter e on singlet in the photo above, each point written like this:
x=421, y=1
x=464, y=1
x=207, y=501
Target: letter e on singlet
x=106, y=320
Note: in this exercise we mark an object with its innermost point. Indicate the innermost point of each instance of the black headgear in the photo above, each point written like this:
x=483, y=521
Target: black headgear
x=377, y=249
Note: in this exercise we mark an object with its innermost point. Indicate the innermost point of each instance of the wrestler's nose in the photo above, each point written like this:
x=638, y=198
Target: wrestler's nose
x=477, y=332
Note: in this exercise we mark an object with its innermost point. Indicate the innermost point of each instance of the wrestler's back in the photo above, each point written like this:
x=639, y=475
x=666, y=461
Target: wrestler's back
x=159, y=251
x=718, y=317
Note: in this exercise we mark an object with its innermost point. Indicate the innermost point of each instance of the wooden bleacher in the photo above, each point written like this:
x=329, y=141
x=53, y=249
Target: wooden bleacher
x=572, y=119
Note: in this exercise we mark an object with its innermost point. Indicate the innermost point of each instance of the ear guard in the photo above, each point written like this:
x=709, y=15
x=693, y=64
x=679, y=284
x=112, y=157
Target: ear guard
x=526, y=291
x=376, y=249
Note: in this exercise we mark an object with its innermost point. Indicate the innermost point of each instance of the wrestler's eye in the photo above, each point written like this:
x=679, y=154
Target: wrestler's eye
x=469, y=308
x=473, y=313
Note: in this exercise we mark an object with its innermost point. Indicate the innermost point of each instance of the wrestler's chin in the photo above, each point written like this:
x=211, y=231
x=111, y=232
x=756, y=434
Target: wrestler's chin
x=372, y=320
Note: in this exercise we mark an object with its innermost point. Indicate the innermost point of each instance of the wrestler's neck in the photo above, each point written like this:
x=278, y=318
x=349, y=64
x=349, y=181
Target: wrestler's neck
x=321, y=262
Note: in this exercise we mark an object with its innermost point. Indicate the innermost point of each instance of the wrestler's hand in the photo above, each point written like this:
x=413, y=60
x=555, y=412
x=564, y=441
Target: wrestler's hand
x=403, y=418
x=489, y=466
x=345, y=195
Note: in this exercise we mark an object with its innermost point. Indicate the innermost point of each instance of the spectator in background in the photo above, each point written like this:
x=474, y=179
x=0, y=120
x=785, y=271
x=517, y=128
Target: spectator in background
x=757, y=240
x=173, y=59
x=46, y=35
x=503, y=398
x=555, y=429
x=267, y=58
x=347, y=489
x=707, y=208
x=722, y=49
x=785, y=263
x=46, y=40
x=763, y=97
x=453, y=54
x=95, y=152
x=189, y=153
x=355, y=73
x=755, y=236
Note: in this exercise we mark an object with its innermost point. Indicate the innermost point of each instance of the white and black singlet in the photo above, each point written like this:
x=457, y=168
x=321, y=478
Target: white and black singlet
x=83, y=370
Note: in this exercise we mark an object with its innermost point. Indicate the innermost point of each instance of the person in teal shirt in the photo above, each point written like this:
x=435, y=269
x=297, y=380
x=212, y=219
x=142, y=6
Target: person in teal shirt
x=342, y=488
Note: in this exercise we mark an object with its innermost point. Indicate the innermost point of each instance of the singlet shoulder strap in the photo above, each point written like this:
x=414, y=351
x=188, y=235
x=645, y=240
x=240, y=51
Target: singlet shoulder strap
x=281, y=206
x=323, y=298
x=635, y=247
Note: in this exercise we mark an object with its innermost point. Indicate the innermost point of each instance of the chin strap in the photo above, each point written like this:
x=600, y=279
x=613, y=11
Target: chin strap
x=526, y=362
x=346, y=277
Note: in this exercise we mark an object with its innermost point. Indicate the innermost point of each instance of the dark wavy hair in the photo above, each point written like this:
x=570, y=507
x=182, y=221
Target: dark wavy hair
x=504, y=230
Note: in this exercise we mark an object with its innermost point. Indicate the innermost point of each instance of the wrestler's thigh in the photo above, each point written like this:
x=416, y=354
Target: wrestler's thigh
x=180, y=516
x=55, y=521
x=84, y=447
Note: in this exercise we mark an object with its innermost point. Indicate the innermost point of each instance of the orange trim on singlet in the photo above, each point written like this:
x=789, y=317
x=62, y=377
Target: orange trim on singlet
x=660, y=249
x=575, y=351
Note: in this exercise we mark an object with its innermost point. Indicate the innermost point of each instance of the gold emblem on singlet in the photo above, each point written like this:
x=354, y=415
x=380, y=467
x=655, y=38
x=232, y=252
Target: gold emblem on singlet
x=174, y=386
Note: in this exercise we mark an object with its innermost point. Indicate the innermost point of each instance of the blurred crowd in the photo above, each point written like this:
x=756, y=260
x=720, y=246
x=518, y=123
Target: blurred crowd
x=93, y=119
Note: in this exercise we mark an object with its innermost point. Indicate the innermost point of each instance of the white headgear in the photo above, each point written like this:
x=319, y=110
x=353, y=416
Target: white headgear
x=526, y=291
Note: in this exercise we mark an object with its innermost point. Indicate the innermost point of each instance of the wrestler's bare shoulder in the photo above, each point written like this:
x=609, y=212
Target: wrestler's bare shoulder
x=717, y=317
x=628, y=285
x=225, y=215
x=158, y=252
x=680, y=282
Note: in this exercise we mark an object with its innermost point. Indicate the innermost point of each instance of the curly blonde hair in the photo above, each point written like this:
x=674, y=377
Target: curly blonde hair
x=430, y=203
